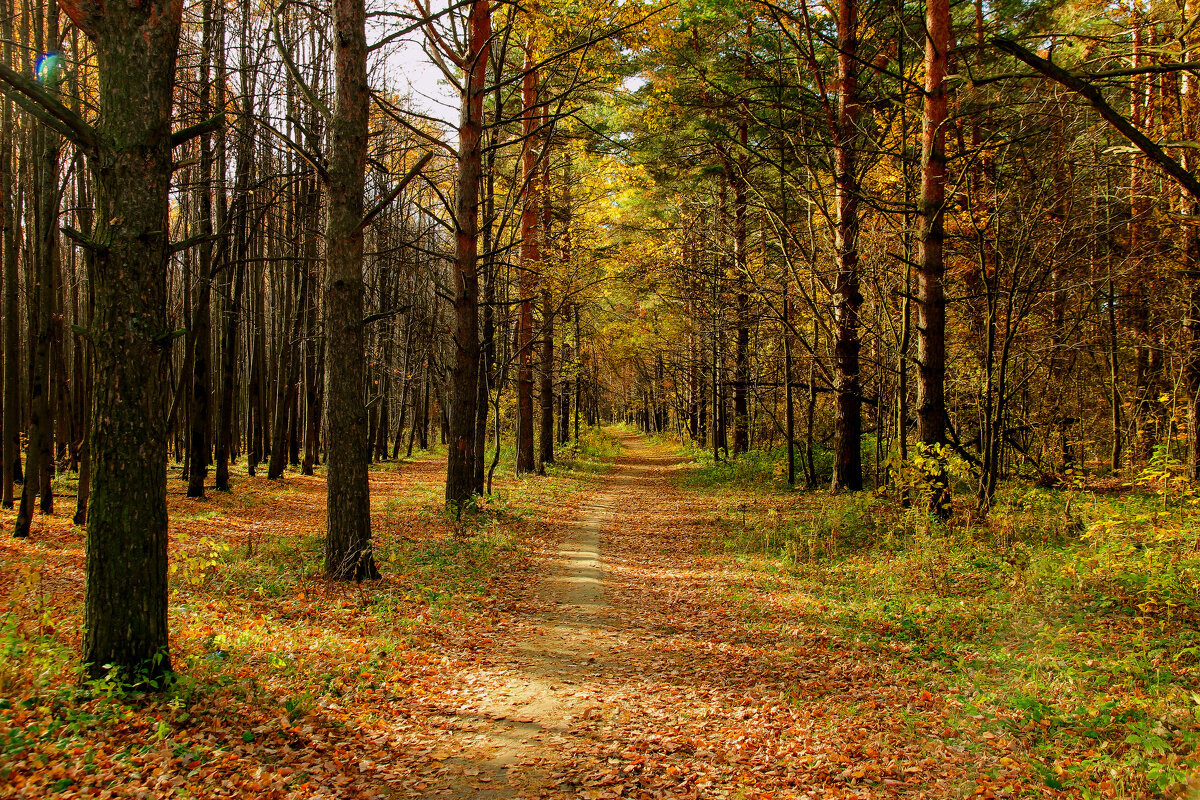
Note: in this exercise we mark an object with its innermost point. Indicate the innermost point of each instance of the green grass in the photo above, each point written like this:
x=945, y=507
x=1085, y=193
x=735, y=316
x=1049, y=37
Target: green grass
x=1067, y=620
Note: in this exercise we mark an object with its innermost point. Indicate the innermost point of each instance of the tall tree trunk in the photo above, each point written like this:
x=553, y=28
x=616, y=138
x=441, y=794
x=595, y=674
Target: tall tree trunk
x=125, y=615
x=241, y=245
x=348, y=540
x=10, y=216
x=198, y=418
x=546, y=431
x=464, y=379
x=847, y=463
x=284, y=385
x=931, y=302
x=530, y=257
x=39, y=454
x=741, y=259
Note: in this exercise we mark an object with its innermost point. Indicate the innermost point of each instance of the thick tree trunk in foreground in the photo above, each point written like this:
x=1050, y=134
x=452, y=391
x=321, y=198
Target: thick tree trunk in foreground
x=460, y=463
x=125, y=614
x=847, y=463
x=348, y=540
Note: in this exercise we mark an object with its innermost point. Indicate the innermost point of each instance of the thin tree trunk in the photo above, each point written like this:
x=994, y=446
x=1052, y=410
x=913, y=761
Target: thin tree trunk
x=198, y=422
x=39, y=454
x=931, y=303
x=10, y=216
x=847, y=463
x=530, y=258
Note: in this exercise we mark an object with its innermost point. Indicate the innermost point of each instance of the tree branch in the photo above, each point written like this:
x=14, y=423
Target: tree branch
x=394, y=193
x=1096, y=100
x=293, y=70
x=41, y=104
x=199, y=129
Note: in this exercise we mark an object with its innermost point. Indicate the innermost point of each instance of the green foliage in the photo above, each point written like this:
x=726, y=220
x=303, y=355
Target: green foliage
x=923, y=479
x=756, y=468
x=1066, y=621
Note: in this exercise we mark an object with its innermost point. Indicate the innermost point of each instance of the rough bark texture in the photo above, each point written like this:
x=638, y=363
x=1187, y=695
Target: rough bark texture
x=847, y=464
x=460, y=462
x=530, y=256
x=931, y=303
x=348, y=540
x=125, y=617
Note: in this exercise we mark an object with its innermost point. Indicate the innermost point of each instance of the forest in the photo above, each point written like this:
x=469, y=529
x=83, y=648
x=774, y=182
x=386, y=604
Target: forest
x=674, y=398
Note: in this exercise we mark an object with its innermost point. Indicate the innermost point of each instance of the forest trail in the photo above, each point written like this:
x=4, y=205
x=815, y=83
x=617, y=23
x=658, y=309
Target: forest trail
x=566, y=644
x=636, y=669
x=615, y=649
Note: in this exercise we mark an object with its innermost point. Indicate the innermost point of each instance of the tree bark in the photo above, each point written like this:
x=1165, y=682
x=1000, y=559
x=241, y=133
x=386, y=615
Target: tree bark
x=530, y=257
x=10, y=215
x=348, y=553
x=464, y=380
x=199, y=435
x=125, y=615
x=847, y=464
x=931, y=304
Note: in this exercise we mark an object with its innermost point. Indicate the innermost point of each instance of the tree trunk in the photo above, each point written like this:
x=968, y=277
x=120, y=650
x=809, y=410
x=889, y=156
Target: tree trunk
x=546, y=432
x=198, y=419
x=931, y=303
x=40, y=454
x=10, y=217
x=464, y=386
x=348, y=540
x=125, y=616
x=741, y=357
x=530, y=257
x=847, y=463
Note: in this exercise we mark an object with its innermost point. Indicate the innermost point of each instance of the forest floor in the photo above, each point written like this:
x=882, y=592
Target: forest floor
x=591, y=633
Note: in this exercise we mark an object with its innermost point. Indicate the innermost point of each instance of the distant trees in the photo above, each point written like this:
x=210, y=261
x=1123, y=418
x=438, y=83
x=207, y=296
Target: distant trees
x=186, y=291
x=1015, y=287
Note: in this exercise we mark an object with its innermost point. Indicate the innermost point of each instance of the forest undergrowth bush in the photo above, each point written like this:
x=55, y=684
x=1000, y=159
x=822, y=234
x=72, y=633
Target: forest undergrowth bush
x=751, y=469
x=1066, y=619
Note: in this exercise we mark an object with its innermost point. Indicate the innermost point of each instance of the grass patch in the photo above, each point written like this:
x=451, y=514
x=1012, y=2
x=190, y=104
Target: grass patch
x=1066, y=621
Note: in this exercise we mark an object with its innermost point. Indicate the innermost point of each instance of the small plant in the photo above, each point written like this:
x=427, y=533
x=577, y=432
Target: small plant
x=923, y=479
x=197, y=567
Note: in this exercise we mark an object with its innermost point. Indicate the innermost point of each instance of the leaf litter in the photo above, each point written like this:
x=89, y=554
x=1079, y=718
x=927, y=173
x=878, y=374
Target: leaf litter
x=491, y=662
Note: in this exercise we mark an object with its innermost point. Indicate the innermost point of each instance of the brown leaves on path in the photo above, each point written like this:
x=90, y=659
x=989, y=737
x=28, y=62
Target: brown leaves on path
x=576, y=641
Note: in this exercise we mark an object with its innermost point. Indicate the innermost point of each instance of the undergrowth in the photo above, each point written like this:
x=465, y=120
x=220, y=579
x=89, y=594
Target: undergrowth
x=1066, y=620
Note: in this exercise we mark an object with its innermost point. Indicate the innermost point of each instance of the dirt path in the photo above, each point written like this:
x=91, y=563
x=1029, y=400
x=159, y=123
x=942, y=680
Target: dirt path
x=638, y=671
x=548, y=684
x=639, y=661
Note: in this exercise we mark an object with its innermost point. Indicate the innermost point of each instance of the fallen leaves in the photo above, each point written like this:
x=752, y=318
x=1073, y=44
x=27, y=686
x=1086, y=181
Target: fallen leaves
x=474, y=670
